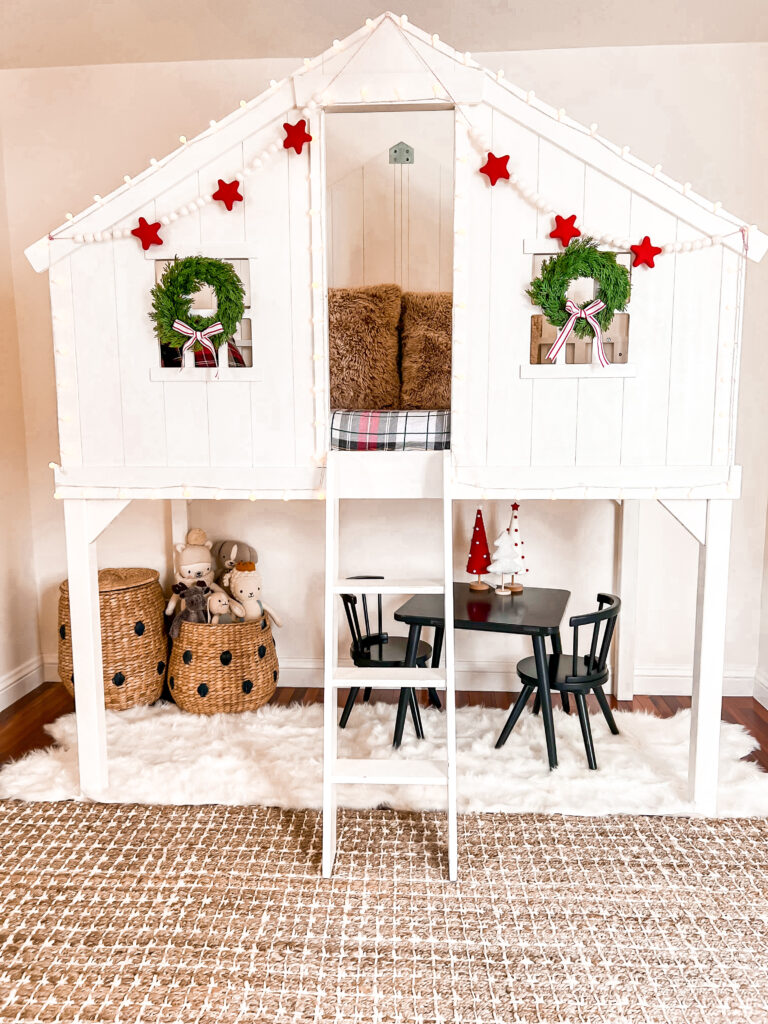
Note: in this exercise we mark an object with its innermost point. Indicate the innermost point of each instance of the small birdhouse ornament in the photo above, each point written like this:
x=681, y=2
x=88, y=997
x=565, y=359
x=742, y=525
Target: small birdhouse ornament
x=479, y=556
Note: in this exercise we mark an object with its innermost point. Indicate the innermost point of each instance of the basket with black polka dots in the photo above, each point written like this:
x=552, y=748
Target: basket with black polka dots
x=134, y=647
x=228, y=667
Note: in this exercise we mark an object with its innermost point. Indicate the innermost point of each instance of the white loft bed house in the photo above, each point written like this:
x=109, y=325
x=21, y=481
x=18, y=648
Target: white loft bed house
x=658, y=423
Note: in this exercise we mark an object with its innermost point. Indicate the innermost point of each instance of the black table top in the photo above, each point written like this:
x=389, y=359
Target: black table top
x=535, y=610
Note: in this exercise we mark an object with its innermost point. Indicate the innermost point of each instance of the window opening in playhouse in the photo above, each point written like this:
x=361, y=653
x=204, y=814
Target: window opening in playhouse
x=579, y=350
x=204, y=304
x=389, y=245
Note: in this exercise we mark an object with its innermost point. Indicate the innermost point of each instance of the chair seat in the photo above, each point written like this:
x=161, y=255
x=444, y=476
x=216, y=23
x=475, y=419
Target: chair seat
x=560, y=666
x=391, y=654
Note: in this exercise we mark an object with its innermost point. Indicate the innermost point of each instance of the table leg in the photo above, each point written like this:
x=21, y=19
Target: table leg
x=404, y=703
x=437, y=650
x=542, y=672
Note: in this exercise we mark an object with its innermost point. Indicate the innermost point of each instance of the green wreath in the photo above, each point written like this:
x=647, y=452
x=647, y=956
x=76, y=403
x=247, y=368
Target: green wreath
x=172, y=299
x=582, y=258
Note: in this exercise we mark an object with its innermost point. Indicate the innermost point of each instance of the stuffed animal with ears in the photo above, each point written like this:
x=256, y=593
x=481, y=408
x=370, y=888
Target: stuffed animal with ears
x=195, y=605
x=218, y=604
x=227, y=554
x=194, y=563
x=245, y=587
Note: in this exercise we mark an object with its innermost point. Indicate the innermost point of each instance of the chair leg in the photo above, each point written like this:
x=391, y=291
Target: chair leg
x=348, y=706
x=367, y=694
x=434, y=698
x=605, y=707
x=402, y=711
x=586, y=732
x=565, y=700
x=517, y=710
x=537, y=703
x=415, y=714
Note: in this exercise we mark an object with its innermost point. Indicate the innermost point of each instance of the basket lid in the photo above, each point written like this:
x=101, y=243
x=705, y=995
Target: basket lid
x=120, y=579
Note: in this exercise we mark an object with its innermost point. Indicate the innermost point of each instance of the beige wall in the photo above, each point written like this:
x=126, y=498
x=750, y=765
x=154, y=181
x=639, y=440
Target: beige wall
x=19, y=643
x=70, y=132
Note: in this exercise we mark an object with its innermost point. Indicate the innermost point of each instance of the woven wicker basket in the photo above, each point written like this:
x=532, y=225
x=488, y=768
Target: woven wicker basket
x=133, y=642
x=223, y=668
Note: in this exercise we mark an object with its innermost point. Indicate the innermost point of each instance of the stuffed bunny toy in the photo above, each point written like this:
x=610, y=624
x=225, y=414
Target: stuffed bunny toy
x=228, y=553
x=245, y=587
x=195, y=605
x=194, y=563
x=218, y=605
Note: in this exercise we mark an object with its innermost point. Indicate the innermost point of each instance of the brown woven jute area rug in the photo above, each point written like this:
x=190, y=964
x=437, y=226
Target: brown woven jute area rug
x=201, y=914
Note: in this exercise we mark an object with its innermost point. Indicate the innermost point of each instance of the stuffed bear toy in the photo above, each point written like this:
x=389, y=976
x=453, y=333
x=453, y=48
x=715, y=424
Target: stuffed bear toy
x=194, y=563
x=227, y=553
x=245, y=587
x=195, y=605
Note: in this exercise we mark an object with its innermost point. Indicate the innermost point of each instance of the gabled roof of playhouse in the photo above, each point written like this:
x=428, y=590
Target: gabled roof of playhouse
x=388, y=61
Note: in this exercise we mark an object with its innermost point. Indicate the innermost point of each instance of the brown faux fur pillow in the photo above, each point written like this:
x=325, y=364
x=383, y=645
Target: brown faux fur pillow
x=363, y=342
x=425, y=337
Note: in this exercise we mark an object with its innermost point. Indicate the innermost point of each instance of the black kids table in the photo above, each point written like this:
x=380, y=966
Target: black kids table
x=536, y=612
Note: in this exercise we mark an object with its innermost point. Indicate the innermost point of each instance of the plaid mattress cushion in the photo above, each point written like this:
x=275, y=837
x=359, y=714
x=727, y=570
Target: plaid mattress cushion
x=390, y=430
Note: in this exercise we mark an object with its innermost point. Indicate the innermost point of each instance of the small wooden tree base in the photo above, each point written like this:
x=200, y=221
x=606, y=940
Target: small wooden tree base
x=516, y=588
x=504, y=591
x=479, y=585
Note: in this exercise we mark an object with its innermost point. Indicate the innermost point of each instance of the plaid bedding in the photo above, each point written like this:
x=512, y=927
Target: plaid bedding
x=390, y=430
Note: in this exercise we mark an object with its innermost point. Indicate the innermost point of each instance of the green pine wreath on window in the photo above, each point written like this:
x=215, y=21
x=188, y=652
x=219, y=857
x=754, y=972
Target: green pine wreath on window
x=172, y=299
x=582, y=258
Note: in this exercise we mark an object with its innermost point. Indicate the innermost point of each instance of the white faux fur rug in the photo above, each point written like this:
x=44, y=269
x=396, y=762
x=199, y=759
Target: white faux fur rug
x=160, y=755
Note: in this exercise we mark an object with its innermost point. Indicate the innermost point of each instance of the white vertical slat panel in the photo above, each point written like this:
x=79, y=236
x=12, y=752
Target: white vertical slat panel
x=554, y=409
x=601, y=399
x=695, y=329
x=306, y=194
x=646, y=396
x=267, y=230
x=727, y=358
x=228, y=399
x=446, y=228
x=512, y=218
x=345, y=228
x=472, y=289
x=65, y=359
x=379, y=231
x=96, y=388
x=144, y=432
x=399, y=214
x=421, y=226
x=183, y=397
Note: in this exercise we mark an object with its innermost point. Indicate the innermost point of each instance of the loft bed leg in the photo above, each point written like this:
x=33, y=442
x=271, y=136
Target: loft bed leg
x=179, y=520
x=709, y=657
x=85, y=625
x=626, y=588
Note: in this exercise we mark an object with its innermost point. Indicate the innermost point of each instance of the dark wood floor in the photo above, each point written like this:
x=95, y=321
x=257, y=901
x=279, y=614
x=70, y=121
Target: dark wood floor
x=22, y=725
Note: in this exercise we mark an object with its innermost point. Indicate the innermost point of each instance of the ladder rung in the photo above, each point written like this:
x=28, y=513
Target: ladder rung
x=390, y=678
x=352, y=770
x=389, y=586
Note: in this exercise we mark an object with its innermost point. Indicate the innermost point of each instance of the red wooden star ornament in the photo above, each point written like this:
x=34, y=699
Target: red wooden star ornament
x=645, y=252
x=495, y=167
x=147, y=234
x=565, y=229
x=228, y=193
x=296, y=135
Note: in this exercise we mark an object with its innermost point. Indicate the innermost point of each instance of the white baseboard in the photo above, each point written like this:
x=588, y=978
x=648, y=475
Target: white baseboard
x=494, y=676
x=761, y=688
x=20, y=681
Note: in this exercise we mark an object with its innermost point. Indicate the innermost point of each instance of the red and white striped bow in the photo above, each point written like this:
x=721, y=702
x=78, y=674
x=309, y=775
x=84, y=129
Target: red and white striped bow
x=589, y=314
x=195, y=337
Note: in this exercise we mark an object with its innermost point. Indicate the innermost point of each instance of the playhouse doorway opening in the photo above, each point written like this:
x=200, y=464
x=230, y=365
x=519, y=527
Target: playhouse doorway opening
x=389, y=240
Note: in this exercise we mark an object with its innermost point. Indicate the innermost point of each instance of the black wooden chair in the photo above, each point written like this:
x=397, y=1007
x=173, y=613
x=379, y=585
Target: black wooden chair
x=574, y=673
x=380, y=650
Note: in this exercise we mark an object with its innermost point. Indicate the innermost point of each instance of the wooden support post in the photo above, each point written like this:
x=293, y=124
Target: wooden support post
x=709, y=657
x=85, y=625
x=179, y=520
x=626, y=588
x=330, y=715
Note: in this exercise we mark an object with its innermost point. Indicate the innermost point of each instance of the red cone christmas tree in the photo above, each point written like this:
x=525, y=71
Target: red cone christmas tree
x=479, y=555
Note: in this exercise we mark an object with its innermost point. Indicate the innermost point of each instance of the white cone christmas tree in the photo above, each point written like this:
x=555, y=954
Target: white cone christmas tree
x=508, y=557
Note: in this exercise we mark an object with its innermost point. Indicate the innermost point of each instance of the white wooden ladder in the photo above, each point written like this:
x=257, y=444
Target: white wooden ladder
x=414, y=772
